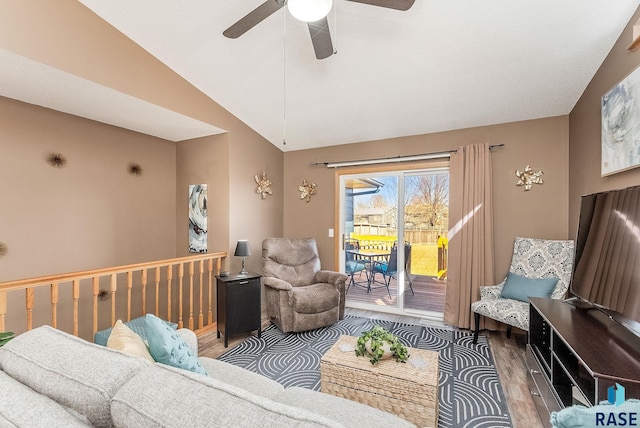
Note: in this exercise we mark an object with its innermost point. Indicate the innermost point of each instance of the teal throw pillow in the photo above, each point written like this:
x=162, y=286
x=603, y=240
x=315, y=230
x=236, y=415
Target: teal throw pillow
x=521, y=288
x=166, y=346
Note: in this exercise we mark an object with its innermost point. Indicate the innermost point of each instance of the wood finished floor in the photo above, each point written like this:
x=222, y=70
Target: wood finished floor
x=508, y=354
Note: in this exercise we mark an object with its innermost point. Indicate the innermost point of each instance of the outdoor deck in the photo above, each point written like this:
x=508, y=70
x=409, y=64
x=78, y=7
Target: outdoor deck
x=429, y=293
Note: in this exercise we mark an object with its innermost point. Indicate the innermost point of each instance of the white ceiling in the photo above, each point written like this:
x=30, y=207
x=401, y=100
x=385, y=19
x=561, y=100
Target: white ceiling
x=442, y=65
x=36, y=83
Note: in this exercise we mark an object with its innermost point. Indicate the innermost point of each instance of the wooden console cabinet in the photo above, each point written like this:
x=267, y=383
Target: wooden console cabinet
x=238, y=304
x=575, y=353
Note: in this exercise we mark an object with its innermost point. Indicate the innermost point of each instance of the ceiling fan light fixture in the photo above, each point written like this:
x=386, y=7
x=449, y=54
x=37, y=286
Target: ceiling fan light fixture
x=309, y=10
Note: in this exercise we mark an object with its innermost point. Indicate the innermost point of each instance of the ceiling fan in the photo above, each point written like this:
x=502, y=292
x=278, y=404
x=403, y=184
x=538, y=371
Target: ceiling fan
x=313, y=12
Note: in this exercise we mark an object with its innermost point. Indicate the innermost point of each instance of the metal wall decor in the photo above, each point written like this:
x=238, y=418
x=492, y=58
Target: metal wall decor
x=527, y=178
x=264, y=185
x=307, y=190
x=56, y=160
x=135, y=169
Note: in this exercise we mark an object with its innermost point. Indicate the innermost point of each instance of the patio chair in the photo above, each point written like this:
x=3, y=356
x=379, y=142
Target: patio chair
x=352, y=264
x=539, y=268
x=389, y=268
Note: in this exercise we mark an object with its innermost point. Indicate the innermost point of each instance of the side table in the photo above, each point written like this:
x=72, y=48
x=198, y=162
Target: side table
x=238, y=306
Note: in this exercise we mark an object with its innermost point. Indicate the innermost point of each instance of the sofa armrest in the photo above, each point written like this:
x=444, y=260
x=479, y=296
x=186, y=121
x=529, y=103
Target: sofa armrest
x=330, y=277
x=491, y=292
x=275, y=283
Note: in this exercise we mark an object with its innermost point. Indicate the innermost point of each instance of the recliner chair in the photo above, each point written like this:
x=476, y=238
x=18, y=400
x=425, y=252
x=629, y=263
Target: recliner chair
x=299, y=295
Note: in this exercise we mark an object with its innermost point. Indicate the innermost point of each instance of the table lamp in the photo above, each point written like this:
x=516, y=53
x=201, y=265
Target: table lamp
x=242, y=250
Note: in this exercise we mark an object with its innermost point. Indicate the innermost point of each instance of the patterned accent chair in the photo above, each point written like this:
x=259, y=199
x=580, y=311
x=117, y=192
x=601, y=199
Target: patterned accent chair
x=532, y=258
x=299, y=295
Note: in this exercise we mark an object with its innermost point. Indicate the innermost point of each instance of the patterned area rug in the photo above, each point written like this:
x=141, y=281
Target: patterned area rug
x=470, y=394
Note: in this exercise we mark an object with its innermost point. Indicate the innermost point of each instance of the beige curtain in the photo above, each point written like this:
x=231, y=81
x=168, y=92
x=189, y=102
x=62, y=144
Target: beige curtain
x=470, y=232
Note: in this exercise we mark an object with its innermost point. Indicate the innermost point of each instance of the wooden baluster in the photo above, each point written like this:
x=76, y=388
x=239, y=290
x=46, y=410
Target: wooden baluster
x=129, y=288
x=3, y=309
x=158, y=291
x=169, y=280
x=96, y=291
x=144, y=291
x=200, y=313
x=191, y=272
x=180, y=276
x=30, y=302
x=76, y=297
x=210, y=310
x=114, y=289
x=54, y=305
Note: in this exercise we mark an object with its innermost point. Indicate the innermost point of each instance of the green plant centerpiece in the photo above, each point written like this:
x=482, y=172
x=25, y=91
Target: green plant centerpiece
x=378, y=344
x=5, y=337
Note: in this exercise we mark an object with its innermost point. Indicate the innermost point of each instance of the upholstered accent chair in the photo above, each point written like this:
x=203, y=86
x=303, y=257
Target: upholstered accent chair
x=299, y=295
x=535, y=262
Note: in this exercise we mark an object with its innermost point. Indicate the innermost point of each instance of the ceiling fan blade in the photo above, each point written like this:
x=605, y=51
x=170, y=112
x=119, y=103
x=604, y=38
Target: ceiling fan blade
x=390, y=4
x=253, y=18
x=321, y=38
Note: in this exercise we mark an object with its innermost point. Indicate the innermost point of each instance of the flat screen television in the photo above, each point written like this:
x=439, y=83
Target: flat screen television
x=607, y=260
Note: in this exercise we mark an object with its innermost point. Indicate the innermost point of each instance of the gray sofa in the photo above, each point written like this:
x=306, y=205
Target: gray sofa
x=50, y=378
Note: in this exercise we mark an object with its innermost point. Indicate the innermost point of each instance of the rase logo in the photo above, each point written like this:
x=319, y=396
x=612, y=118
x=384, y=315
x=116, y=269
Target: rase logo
x=615, y=395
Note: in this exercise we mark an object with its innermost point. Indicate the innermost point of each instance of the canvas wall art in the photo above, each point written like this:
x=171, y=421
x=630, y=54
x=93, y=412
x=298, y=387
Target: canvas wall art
x=621, y=126
x=198, y=218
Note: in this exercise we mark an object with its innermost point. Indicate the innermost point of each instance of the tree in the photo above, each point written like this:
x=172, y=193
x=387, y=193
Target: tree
x=433, y=194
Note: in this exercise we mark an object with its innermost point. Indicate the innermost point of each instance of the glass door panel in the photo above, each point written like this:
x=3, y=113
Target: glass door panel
x=369, y=232
x=426, y=224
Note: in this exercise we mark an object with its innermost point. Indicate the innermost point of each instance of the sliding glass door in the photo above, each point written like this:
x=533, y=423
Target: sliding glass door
x=393, y=234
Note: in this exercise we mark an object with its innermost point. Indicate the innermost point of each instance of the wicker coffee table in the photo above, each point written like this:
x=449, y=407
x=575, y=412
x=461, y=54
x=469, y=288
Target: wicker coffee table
x=408, y=390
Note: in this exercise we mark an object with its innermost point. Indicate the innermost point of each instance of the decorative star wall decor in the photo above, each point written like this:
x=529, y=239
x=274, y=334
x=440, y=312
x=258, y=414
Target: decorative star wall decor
x=56, y=160
x=264, y=185
x=306, y=190
x=527, y=178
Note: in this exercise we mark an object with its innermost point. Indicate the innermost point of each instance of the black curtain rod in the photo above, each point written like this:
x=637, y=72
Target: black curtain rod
x=397, y=158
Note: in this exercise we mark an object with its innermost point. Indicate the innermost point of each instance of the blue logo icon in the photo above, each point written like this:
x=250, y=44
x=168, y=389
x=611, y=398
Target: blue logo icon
x=615, y=394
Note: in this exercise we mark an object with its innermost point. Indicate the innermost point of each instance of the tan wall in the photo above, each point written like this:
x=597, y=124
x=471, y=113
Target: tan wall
x=91, y=213
x=585, y=128
x=540, y=212
x=203, y=161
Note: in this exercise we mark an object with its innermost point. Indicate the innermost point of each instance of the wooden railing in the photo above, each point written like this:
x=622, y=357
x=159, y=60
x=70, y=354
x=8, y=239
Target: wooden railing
x=167, y=288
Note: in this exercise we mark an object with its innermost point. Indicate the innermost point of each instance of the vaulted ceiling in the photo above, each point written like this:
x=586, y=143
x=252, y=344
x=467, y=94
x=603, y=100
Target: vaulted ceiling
x=441, y=65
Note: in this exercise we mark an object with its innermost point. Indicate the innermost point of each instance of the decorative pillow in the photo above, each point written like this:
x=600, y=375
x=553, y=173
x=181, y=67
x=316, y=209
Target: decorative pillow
x=136, y=324
x=521, y=288
x=122, y=338
x=168, y=347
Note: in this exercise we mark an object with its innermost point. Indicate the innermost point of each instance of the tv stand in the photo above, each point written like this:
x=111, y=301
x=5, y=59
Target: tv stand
x=575, y=353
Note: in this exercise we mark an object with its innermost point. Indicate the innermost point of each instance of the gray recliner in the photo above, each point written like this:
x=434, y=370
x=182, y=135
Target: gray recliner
x=299, y=295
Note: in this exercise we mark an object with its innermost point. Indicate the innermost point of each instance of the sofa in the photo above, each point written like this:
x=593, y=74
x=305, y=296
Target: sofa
x=51, y=378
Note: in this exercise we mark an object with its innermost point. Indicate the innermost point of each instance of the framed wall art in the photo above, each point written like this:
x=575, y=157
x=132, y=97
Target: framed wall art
x=198, y=218
x=621, y=126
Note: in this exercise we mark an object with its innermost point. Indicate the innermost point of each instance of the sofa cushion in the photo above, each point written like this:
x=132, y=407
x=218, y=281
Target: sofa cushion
x=346, y=412
x=241, y=378
x=122, y=338
x=149, y=400
x=315, y=298
x=168, y=347
x=136, y=324
x=75, y=373
x=21, y=406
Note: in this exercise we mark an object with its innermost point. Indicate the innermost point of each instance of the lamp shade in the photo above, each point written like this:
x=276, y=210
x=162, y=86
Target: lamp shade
x=242, y=248
x=309, y=10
